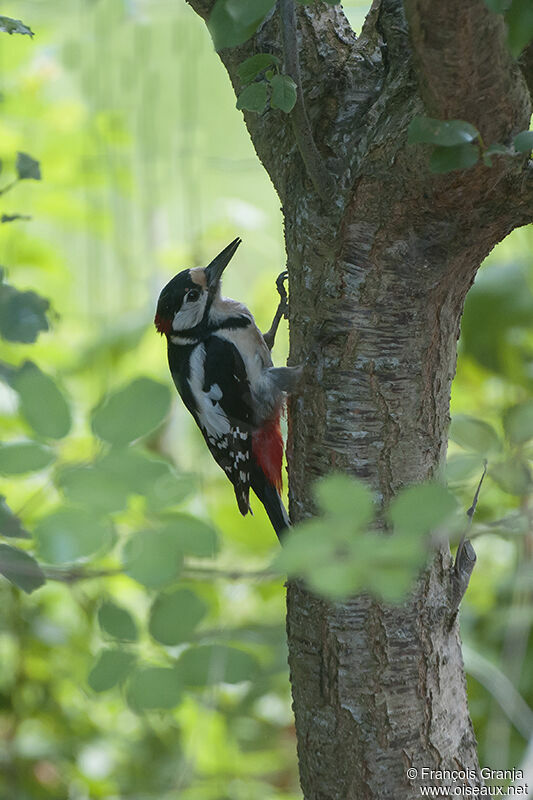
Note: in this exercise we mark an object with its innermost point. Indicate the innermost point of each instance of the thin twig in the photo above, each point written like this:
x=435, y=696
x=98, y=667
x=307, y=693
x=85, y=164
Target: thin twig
x=9, y=186
x=314, y=163
x=465, y=558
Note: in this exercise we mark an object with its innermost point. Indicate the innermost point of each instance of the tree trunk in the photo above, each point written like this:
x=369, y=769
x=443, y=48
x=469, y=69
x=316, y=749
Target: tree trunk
x=378, y=276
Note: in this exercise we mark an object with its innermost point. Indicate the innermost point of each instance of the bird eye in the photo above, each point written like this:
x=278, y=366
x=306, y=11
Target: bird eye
x=193, y=295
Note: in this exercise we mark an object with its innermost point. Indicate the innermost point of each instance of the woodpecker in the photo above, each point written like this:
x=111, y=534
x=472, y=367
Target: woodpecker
x=221, y=365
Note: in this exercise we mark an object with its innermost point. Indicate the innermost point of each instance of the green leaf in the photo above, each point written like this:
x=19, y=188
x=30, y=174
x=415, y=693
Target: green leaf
x=422, y=508
x=19, y=457
x=132, y=412
x=192, y=536
x=208, y=664
x=20, y=568
x=497, y=149
x=22, y=314
x=513, y=476
x=9, y=25
x=474, y=434
x=253, y=98
x=501, y=294
x=111, y=667
x=174, y=616
x=117, y=622
x=152, y=558
x=233, y=22
x=462, y=466
x=283, y=93
x=447, y=159
x=69, y=534
x=498, y=6
x=106, y=485
x=154, y=687
x=523, y=142
x=94, y=488
x=518, y=423
x=42, y=403
x=519, y=19
x=13, y=217
x=444, y=133
x=343, y=496
x=10, y=524
x=250, y=68
x=27, y=168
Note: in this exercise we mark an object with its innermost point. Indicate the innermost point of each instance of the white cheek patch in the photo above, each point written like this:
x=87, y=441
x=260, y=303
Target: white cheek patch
x=190, y=313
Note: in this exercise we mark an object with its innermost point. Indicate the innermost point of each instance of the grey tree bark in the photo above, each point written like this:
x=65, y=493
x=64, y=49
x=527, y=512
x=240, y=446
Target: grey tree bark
x=379, y=271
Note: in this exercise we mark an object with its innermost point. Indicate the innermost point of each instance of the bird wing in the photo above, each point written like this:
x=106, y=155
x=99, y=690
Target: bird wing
x=222, y=393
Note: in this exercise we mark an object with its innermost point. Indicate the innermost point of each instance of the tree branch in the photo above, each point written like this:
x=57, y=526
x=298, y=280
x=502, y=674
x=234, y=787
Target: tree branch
x=314, y=163
x=465, y=70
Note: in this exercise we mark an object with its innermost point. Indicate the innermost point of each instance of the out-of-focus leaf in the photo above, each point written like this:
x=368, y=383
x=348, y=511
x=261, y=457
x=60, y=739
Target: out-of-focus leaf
x=19, y=457
x=9, y=25
x=93, y=488
x=41, y=402
x=14, y=217
x=193, y=536
x=443, y=133
x=105, y=485
x=117, y=622
x=132, y=412
x=232, y=22
x=154, y=687
x=498, y=6
x=174, y=616
x=448, y=159
x=523, y=142
x=519, y=19
x=20, y=568
x=111, y=667
x=513, y=476
x=207, y=664
x=518, y=423
x=152, y=558
x=462, y=466
x=422, y=508
x=502, y=295
x=10, y=524
x=474, y=434
x=283, y=93
x=22, y=314
x=251, y=68
x=253, y=97
x=27, y=168
x=68, y=534
x=343, y=496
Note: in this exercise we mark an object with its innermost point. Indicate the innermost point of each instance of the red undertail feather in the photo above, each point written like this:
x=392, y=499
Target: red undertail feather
x=267, y=448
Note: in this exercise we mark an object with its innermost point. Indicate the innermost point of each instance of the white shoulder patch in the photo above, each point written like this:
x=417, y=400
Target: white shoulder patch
x=212, y=416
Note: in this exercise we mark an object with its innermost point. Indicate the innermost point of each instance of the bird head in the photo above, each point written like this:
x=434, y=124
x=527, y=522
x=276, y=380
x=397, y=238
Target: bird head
x=186, y=299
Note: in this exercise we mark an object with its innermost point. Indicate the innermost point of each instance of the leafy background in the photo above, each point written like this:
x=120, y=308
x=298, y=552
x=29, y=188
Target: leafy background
x=142, y=649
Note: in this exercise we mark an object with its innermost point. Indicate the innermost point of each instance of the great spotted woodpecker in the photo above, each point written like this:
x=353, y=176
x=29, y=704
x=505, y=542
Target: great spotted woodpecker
x=220, y=363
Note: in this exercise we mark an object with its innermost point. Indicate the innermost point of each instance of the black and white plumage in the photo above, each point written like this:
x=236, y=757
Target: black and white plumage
x=222, y=369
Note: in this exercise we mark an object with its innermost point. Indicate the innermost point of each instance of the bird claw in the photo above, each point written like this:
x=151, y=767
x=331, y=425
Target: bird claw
x=282, y=291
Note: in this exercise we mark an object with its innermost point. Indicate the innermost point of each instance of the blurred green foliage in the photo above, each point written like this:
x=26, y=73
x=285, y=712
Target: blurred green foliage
x=142, y=639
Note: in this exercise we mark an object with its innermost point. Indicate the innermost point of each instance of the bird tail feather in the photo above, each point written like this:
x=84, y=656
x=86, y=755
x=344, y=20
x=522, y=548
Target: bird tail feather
x=268, y=495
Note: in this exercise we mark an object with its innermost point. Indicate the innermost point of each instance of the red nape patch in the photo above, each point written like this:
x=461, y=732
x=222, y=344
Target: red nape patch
x=163, y=324
x=267, y=447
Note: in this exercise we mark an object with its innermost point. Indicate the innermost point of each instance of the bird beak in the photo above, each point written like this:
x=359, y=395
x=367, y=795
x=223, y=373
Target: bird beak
x=217, y=266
